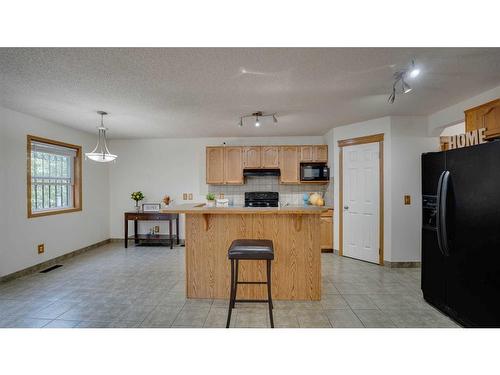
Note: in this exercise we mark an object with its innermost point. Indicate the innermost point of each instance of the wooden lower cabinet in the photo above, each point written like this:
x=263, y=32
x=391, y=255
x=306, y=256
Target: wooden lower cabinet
x=326, y=228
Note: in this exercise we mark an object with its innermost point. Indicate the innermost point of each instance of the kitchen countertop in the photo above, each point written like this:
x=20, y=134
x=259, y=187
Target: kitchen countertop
x=201, y=208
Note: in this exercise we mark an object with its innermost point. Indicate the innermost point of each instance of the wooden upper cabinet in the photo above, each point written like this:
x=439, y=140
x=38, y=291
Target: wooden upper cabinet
x=215, y=165
x=251, y=157
x=486, y=116
x=270, y=157
x=289, y=164
x=233, y=165
x=306, y=153
x=314, y=153
x=320, y=153
x=225, y=165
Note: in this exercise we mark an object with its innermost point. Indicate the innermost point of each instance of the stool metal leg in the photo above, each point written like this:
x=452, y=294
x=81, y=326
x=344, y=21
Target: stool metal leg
x=232, y=295
x=236, y=281
x=269, y=298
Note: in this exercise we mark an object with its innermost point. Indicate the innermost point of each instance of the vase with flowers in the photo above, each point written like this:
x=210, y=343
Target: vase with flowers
x=137, y=196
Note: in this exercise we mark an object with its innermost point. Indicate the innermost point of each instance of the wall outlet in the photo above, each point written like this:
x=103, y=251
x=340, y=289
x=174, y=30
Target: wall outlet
x=407, y=200
x=157, y=229
x=190, y=196
x=41, y=248
x=184, y=196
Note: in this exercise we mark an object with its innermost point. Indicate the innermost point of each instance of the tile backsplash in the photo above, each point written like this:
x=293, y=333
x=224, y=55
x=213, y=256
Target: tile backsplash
x=291, y=194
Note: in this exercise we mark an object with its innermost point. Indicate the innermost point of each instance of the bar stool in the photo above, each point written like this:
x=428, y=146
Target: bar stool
x=250, y=250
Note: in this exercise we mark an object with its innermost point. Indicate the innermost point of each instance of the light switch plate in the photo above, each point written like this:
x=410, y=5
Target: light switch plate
x=41, y=248
x=184, y=196
x=190, y=196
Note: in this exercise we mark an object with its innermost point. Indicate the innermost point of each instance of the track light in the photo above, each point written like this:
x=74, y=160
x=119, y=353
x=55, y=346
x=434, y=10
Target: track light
x=400, y=79
x=392, y=97
x=258, y=115
x=414, y=71
x=405, y=88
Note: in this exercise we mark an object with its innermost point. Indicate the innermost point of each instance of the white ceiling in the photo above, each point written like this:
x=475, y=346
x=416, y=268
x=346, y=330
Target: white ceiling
x=200, y=92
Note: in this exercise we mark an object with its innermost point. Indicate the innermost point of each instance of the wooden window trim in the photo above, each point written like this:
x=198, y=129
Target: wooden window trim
x=77, y=190
x=375, y=138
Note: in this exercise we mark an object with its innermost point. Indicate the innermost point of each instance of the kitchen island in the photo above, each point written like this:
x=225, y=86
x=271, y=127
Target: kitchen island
x=295, y=232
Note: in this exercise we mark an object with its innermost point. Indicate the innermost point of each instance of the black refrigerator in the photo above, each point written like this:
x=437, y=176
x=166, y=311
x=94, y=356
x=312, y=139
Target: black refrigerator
x=461, y=233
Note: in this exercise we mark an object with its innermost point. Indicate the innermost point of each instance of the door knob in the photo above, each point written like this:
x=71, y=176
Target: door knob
x=346, y=207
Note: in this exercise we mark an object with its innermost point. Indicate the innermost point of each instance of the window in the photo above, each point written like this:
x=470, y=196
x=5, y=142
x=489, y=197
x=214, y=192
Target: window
x=54, y=177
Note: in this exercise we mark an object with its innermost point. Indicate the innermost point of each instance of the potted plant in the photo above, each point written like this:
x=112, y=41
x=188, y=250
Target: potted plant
x=210, y=200
x=166, y=200
x=137, y=196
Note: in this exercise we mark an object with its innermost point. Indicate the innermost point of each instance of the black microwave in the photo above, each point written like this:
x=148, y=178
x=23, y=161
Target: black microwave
x=314, y=172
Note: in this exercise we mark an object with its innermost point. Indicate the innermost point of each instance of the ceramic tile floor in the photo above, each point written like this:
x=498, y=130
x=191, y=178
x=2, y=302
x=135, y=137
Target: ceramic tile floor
x=144, y=287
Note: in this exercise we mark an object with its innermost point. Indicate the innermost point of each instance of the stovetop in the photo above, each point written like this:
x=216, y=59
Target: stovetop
x=261, y=199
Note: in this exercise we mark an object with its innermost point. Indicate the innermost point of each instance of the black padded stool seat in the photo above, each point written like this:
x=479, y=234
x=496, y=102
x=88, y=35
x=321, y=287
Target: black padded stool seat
x=251, y=250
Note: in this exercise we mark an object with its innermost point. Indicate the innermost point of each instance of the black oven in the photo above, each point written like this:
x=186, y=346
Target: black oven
x=314, y=172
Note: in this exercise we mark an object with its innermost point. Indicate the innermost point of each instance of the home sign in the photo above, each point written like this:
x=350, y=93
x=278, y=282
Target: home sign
x=472, y=138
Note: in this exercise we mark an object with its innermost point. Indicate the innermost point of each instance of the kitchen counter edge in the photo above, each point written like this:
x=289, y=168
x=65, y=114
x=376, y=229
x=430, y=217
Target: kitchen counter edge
x=200, y=208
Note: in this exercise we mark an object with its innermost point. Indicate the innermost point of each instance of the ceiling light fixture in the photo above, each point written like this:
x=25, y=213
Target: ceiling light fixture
x=405, y=88
x=258, y=116
x=414, y=70
x=101, y=152
x=400, y=78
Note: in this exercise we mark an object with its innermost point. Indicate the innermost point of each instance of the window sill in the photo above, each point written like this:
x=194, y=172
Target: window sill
x=52, y=212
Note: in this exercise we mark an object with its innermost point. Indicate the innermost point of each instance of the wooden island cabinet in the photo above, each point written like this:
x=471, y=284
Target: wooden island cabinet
x=295, y=232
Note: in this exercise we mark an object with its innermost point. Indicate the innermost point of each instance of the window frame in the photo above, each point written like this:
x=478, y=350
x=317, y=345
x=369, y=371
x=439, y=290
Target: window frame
x=77, y=177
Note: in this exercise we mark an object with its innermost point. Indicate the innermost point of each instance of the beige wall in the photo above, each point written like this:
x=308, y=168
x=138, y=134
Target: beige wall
x=60, y=233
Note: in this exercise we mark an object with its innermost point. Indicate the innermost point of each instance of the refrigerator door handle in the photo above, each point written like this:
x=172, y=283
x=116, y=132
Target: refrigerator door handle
x=438, y=213
x=443, y=203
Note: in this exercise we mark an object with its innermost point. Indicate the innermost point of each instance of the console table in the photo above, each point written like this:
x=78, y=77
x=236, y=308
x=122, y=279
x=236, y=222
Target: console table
x=152, y=216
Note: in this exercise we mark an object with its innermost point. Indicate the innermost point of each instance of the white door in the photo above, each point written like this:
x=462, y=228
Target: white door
x=361, y=202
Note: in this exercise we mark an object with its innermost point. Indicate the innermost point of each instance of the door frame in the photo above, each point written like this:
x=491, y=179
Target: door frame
x=375, y=138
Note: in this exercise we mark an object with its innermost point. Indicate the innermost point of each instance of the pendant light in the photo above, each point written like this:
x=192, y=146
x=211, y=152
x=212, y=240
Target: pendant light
x=101, y=152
